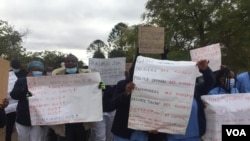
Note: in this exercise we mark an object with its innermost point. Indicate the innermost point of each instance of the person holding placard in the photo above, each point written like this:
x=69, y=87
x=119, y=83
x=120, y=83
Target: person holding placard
x=121, y=102
x=225, y=82
x=20, y=92
x=3, y=116
x=19, y=72
x=197, y=123
x=73, y=131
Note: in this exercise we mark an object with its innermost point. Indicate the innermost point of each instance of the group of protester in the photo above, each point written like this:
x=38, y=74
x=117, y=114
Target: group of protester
x=116, y=104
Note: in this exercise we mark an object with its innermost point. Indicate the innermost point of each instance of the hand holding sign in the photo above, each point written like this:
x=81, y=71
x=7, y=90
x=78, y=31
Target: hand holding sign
x=202, y=64
x=129, y=87
x=5, y=103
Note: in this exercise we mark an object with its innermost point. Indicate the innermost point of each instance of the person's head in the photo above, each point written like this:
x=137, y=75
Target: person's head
x=71, y=64
x=36, y=68
x=15, y=65
x=225, y=78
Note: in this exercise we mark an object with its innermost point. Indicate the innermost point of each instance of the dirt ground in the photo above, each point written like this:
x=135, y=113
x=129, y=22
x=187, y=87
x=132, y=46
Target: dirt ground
x=2, y=135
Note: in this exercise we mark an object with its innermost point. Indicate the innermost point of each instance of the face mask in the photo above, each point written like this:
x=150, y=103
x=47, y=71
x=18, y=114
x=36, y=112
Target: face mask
x=71, y=70
x=231, y=82
x=37, y=73
x=16, y=70
x=48, y=73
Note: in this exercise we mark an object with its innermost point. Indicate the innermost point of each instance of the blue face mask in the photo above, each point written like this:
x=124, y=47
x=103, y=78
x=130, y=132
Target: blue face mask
x=71, y=70
x=16, y=70
x=37, y=73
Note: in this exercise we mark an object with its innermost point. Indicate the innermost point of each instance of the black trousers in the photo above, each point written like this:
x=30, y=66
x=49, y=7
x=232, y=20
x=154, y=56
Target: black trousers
x=75, y=132
x=156, y=137
x=11, y=118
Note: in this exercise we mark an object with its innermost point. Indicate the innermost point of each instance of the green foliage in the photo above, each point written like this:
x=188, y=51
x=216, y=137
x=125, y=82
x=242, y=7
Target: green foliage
x=116, y=53
x=10, y=42
x=98, y=54
x=197, y=23
x=98, y=48
x=116, y=39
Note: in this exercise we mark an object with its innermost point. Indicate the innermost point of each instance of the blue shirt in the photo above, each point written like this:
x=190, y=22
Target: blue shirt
x=192, y=127
x=219, y=90
x=243, y=82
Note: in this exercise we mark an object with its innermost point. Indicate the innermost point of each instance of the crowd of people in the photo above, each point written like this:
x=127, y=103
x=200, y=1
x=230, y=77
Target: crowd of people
x=116, y=104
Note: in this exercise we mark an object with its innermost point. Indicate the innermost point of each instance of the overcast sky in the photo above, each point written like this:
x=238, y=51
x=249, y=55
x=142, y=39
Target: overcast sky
x=68, y=26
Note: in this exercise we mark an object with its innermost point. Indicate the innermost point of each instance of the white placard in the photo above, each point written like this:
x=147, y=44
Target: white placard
x=65, y=99
x=225, y=109
x=111, y=70
x=161, y=100
x=211, y=53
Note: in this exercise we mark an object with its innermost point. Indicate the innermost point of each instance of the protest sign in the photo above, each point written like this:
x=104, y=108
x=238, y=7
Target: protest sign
x=211, y=53
x=111, y=70
x=4, y=76
x=162, y=98
x=151, y=40
x=12, y=103
x=225, y=109
x=65, y=99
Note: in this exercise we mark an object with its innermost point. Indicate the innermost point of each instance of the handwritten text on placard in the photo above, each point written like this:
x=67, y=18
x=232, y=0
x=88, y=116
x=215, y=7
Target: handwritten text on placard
x=161, y=100
x=211, y=53
x=111, y=70
x=227, y=109
x=65, y=99
x=151, y=40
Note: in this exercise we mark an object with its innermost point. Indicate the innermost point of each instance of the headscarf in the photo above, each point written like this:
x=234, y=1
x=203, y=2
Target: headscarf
x=35, y=64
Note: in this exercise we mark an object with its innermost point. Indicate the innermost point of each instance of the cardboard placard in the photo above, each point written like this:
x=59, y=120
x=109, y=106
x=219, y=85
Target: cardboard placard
x=4, y=77
x=151, y=40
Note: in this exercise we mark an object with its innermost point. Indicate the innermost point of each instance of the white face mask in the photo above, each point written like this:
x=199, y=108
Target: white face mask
x=48, y=73
x=231, y=82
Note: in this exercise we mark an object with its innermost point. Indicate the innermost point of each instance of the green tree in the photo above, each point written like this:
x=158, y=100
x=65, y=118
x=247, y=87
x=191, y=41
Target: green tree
x=115, y=38
x=98, y=54
x=196, y=23
x=97, y=48
x=10, y=41
x=116, y=53
x=52, y=58
x=232, y=29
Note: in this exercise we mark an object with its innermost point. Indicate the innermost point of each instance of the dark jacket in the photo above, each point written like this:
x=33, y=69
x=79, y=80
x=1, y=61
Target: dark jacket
x=20, y=92
x=107, y=98
x=203, y=88
x=121, y=103
x=2, y=118
x=21, y=73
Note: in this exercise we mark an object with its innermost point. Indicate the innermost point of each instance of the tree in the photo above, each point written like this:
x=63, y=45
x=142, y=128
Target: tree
x=98, y=54
x=186, y=22
x=52, y=58
x=97, y=47
x=10, y=42
x=116, y=53
x=115, y=38
x=196, y=23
